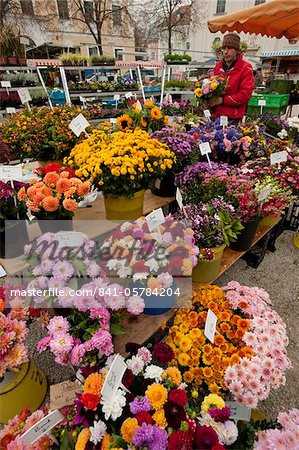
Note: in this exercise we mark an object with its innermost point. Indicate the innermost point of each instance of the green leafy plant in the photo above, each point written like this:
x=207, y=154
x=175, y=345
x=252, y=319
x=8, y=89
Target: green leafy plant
x=73, y=59
x=176, y=57
x=102, y=59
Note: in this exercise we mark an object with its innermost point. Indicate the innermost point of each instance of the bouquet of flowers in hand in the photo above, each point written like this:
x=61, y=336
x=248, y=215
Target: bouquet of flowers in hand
x=56, y=196
x=208, y=89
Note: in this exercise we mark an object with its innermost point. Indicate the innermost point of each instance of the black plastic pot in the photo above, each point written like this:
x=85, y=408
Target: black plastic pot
x=166, y=187
x=246, y=237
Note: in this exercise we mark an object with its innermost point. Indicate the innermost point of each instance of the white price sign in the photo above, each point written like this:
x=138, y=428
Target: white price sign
x=179, y=198
x=155, y=219
x=10, y=110
x=138, y=105
x=207, y=113
x=238, y=412
x=5, y=84
x=113, y=121
x=11, y=172
x=205, y=148
x=82, y=99
x=210, y=326
x=261, y=102
x=2, y=272
x=223, y=121
x=24, y=95
x=69, y=239
x=264, y=194
x=279, y=157
x=79, y=124
x=116, y=97
x=113, y=379
x=128, y=95
x=44, y=426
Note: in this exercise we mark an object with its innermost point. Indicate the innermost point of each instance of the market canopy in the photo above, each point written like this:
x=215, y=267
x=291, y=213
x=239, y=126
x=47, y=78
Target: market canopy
x=276, y=18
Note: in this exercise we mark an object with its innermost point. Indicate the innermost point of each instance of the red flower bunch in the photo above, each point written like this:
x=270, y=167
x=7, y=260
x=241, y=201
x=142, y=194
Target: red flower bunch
x=90, y=401
x=54, y=167
x=162, y=353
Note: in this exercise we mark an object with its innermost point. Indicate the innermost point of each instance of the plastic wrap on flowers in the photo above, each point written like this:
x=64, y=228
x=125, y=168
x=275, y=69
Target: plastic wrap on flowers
x=248, y=356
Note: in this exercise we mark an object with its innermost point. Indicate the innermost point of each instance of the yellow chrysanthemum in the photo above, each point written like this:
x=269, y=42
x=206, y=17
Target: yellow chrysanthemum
x=82, y=440
x=157, y=395
x=174, y=374
x=184, y=359
x=160, y=419
x=93, y=384
x=128, y=428
x=124, y=122
x=212, y=401
x=156, y=113
x=143, y=122
x=185, y=344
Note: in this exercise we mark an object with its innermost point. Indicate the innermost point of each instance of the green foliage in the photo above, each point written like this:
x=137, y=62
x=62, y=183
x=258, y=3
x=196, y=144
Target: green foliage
x=73, y=59
x=98, y=58
x=182, y=85
x=231, y=227
x=176, y=57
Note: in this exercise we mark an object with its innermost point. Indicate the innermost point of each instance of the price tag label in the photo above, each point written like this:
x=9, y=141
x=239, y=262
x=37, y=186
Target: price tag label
x=44, y=426
x=10, y=110
x=11, y=172
x=69, y=239
x=238, y=412
x=158, y=184
x=113, y=378
x=138, y=105
x=128, y=95
x=116, y=97
x=223, y=121
x=207, y=113
x=261, y=102
x=179, y=198
x=5, y=84
x=113, y=121
x=63, y=394
x=30, y=215
x=279, y=157
x=79, y=124
x=264, y=194
x=24, y=95
x=2, y=272
x=155, y=219
x=210, y=326
x=205, y=148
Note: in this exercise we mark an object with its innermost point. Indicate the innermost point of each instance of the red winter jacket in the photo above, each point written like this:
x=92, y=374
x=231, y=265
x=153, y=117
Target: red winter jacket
x=238, y=90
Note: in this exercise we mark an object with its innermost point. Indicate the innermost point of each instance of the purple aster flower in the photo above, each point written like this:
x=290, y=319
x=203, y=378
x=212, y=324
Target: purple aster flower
x=141, y=405
x=160, y=439
x=144, y=436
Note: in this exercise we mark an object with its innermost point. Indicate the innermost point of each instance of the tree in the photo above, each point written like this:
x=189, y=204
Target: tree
x=7, y=7
x=95, y=14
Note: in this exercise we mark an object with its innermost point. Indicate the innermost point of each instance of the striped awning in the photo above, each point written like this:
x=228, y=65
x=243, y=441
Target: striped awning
x=294, y=52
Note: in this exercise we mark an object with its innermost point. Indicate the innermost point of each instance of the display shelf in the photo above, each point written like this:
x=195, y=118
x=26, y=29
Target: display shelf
x=11, y=89
x=140, y=329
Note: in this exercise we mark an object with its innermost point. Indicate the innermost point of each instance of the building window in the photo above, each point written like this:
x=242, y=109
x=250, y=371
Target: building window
x=259, y=2
x=220, y=8
x=88, y=10
x=93, y=51
x=27, y=7
x=118, y=54
x=63, y=10
x=116, y=15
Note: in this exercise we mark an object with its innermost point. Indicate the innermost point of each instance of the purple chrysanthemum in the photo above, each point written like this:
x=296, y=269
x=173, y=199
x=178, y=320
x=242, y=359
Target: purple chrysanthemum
x=141, y=405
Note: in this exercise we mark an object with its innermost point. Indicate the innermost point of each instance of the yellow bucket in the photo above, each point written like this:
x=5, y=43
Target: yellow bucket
x=270, y=221
x=207, y=271
x=122, y=208
x=22, y=389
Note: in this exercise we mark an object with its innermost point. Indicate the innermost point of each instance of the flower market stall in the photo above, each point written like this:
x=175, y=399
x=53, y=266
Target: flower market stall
x=129, y=225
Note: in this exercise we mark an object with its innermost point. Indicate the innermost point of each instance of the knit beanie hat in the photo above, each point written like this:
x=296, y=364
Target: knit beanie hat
x=231, y=40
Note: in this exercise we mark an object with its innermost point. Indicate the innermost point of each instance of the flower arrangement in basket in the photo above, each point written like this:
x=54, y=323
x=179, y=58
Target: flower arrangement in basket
x=120, y=164
x=248, y=355
x=149, y=410
x=42, y=133
x=56, y=196
x=208, y=89
x=149, y=117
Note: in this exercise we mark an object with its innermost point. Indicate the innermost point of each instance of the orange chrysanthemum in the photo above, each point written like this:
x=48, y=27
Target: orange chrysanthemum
x=83, y=188
x=107, y=439
x=22, y=194
x=50, y=204
x=82, y=440
x=93, y=384
x=128, y=429
x=157, y=395
x=69, y=204
x=63, y=185
x=51, y=178
x=174, y=374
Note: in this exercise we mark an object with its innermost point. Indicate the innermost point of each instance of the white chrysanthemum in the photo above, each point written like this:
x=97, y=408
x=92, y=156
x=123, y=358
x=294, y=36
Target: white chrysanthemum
x=97, y=431
x=154, y=373
x=113, y=408
x=136, y=364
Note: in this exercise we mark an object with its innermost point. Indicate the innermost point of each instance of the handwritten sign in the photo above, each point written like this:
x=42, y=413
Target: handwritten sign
x=210, y=326
x=207, y=113
x=44, y=426
x=279, y=157
x=205, y=148
x=79, y=124
x=238, y=412
x=11, y=172
x=5, y=84
x=69, y=239
x=261, y=102
x=223, y=121
x=128, y=95
x=10, y=110
x=2, y=272
x=179, y=198
x=113, y=378
x=24, y=95
x=155, y=219
x=264, y=194
x=63, y=394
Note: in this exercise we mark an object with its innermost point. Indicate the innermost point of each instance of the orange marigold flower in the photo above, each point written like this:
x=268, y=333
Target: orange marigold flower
x=174, y=374
x=207, y=359
x=207, y=372
x=195, y=333
x=214, y=388
x=207, y=348
x=51, y=178
x=243, y=304
x=157, y=395
x=69, y=204
x=63, y=185
x=107, y=439
x=128, y=429
x=185, y=344
x=188, y=377
x=93, y=384
x=219, y=339
x=184, y=359
x=243, y=324
x=195, y=353
x=234, y=359
x=50, y=204
x=224, y=327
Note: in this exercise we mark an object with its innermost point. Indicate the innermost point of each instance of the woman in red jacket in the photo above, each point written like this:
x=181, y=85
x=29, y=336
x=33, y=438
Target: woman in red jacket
x=240, y=80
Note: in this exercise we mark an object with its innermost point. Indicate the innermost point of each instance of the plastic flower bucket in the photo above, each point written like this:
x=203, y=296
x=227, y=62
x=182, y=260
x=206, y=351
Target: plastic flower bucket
x=207, y=271
x=25, y=388
x=270, y=221
x=123, y=208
